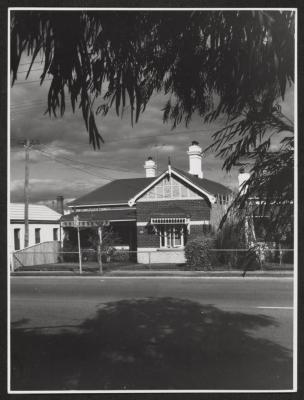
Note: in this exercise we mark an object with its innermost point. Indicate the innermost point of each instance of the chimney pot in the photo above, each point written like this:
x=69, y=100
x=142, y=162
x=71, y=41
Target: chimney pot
x=150, y=167
x=195, y=159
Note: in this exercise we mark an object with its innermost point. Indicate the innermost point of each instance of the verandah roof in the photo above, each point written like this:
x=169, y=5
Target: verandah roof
x=89, y=218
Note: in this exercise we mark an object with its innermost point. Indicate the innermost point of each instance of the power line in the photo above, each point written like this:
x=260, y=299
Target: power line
x=90, y=164
x=80, y=169
x=25, y=108
x=52, y=157
x=172, y=133
x=35, y=103
x=72, y=166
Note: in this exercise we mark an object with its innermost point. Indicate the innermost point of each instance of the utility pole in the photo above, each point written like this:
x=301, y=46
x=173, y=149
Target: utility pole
x=27, y=143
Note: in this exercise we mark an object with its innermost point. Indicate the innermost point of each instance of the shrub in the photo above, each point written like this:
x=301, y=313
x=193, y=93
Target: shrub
x=231, y=236
x=89, y=255
x=70, y=251
x=120, y=256
x=197, y=253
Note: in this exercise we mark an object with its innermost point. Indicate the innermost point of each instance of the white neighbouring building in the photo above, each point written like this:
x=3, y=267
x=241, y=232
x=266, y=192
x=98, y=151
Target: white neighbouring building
x=44, y=225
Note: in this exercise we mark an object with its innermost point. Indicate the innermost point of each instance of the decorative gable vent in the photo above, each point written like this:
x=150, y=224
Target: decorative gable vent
x=169, y=189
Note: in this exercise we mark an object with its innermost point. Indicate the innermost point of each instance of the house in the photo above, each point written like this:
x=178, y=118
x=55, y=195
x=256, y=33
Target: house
x=44, y=225
x=154, y=214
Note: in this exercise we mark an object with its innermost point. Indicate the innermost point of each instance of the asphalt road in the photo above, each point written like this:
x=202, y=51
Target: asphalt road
x=76, y=333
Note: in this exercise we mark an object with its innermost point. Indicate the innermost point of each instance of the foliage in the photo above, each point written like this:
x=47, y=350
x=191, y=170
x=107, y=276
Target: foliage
x=269, y=190
x=231, y=245
x=237, y=55
x=109, y=239
x=70, y=251
x=197, y=253
x=236, y=64
x=120, y=256
x=89, y=255
x=231, y=236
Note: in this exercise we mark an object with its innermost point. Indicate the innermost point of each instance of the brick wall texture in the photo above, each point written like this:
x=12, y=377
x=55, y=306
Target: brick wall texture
x=198, y=210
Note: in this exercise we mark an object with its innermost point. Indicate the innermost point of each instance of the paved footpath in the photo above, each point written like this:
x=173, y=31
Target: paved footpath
x=142, y=333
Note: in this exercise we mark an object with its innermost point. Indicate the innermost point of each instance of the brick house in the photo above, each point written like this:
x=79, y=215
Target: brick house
x=155, y=214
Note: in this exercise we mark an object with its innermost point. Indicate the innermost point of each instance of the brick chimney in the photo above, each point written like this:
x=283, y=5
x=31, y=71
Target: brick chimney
x=150, y=167
x=59, y=205
x=195, y=159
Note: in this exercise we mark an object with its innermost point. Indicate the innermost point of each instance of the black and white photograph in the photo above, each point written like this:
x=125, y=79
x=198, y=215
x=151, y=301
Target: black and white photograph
x=152, y=209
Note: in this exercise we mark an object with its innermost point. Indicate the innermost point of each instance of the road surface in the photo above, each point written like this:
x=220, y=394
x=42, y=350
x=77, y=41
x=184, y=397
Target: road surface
x=84, y=333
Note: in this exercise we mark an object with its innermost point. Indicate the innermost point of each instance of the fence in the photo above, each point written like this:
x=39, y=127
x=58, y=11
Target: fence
x=258, y=257
x=39, y=254
x=52, y=258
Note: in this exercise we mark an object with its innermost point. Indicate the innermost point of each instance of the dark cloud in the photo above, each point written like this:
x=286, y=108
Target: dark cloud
x=63, y=170
x=49, y=189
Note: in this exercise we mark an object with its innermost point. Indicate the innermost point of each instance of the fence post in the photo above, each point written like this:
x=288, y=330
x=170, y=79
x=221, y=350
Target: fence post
x=149, y=259
x=12, y=263
x=280, y=254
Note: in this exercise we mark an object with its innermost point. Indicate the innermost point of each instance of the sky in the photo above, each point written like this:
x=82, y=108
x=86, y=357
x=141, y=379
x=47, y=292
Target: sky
x=64, y=163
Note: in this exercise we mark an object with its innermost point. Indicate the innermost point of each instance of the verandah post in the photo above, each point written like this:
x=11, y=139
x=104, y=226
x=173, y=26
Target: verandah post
x=99, y=249
x=76, y=225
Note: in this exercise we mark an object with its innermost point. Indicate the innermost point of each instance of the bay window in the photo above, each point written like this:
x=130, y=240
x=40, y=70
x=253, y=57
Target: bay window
x=171, y=236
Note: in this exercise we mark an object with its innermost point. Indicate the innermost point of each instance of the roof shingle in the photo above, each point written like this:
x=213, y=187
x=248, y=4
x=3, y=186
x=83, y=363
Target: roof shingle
x=106, y=215
x=119, y=191
x=37, y=212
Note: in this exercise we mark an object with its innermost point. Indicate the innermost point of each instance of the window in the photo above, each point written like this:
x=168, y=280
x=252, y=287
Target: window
x=55, y=234
x=37, y=235
x=171, y=236
x=17, y=239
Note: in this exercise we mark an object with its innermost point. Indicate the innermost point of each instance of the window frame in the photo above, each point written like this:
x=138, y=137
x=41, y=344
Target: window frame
x=55, y=234
x=37, y=231
x=167, y=235
x=16, y=230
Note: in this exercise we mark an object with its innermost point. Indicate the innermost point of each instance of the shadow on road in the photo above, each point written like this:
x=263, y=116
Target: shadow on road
x=162, y=343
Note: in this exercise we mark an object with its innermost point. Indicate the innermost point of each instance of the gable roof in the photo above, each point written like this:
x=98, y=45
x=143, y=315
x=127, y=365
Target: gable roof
x=207, y=187
x=126, y=191
x=116, y=192
x=37, y=212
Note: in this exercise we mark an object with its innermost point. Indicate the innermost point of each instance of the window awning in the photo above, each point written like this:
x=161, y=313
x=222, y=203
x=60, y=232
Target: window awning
x=169, y=220
x=173, y=215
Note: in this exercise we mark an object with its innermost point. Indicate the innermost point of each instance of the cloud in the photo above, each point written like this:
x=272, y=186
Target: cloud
x=122, y=155
x=49, y=189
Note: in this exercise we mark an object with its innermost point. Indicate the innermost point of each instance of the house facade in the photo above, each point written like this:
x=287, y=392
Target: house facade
x=155, y=215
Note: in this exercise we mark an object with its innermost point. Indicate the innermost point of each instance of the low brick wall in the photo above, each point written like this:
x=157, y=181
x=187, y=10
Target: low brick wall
x=161, y=257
